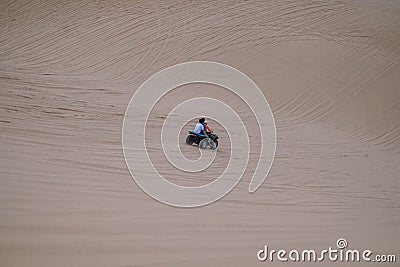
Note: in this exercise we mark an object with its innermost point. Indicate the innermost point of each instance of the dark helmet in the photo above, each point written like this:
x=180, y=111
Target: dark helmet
x=202, y=120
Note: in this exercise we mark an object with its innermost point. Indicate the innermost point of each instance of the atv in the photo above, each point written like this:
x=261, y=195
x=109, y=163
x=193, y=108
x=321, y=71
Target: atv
x=202, y=140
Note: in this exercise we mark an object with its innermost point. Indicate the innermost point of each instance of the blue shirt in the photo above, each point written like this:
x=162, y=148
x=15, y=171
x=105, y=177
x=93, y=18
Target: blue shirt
x=199, y=128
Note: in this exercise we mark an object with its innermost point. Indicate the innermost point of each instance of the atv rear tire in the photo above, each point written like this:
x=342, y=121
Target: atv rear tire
x=190, y=139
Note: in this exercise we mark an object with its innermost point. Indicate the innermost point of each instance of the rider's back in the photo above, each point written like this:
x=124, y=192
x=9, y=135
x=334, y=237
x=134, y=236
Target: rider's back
x=198, y=128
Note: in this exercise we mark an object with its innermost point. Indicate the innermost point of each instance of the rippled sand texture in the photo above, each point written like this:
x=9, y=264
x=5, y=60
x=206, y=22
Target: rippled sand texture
x=330, y=71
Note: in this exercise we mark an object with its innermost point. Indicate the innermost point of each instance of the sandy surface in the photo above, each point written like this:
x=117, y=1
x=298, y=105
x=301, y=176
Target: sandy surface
x=330, y=71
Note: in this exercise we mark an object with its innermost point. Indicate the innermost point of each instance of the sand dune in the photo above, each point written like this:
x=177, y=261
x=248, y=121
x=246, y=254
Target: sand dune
x=329, y=70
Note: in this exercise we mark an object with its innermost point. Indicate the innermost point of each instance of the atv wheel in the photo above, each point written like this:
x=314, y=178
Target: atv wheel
x=190, y=139
x=216, y=144
x=207, y=143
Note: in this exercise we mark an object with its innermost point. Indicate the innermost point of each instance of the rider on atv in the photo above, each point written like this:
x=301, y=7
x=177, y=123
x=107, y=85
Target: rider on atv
x=201, y=128
x=208, y=129
x=202, y=136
